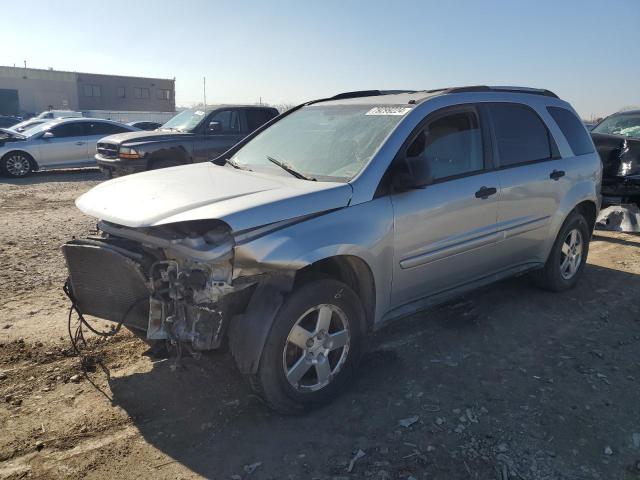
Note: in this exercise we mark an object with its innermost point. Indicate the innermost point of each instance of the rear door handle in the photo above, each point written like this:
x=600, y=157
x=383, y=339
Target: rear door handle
x=79, y=143
x=486, y=192
x=556, y=174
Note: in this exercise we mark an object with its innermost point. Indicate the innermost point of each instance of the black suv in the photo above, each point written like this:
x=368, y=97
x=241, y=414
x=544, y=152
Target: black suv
x=189, y=137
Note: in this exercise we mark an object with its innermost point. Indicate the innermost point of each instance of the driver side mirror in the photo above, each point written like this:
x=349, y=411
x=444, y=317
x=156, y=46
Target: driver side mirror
x=214, y=127
x=47, y=135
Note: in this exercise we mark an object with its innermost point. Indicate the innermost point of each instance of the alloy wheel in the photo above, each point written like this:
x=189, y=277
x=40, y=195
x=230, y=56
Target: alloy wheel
x=316, y=348
x=571, y=254
x=17, y=165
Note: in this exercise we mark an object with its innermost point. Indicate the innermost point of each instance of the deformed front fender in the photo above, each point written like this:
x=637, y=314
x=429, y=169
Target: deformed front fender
x=364, y=231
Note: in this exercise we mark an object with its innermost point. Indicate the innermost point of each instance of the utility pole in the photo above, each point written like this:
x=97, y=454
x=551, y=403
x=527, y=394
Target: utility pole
x=204, y=93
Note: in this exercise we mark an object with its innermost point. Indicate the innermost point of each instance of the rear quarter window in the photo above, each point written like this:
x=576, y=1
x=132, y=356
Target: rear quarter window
x=573, y=130
x=256, y=117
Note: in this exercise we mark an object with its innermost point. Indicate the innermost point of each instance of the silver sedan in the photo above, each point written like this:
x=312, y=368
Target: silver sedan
x=68, y=142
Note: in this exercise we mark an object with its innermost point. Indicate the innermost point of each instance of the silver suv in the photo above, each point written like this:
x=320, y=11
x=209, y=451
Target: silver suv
x=338, y=216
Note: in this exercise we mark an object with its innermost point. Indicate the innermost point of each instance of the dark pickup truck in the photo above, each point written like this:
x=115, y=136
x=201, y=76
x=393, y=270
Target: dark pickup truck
x=189, y=137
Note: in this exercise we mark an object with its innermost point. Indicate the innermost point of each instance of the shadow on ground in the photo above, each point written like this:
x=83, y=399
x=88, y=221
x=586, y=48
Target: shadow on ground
x=62, y=175
x=507, y=377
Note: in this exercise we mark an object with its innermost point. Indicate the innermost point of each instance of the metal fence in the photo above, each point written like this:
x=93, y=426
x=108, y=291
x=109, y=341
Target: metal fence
x=125, y=117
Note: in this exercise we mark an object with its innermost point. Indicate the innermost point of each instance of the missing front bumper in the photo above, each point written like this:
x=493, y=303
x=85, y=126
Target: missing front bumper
x=108, y=282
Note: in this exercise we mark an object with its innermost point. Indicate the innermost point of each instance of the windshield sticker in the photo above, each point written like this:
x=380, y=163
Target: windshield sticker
x=388, y=111
x=198, y=112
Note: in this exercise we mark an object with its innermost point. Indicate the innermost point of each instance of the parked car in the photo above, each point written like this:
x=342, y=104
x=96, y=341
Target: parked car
x=145, y=125
x=51, y=114
x=617, y=139
x=27, y=124
x=189, y=137
x=68, y=142
x=8, y=121
x=341, y=215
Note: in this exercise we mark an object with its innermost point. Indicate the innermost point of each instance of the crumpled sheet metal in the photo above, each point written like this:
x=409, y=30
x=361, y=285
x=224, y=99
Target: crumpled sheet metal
x=620, y=218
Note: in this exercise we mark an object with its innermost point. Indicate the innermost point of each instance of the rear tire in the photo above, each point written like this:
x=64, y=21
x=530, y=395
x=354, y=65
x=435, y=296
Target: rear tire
x=312, y=349
x=16, y=164
x=568, y=255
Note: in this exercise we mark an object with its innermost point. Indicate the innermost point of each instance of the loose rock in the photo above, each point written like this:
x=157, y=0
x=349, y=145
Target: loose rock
x=608, y=450
x=252, y=467
x=359, y=454
x=75, y=378
x=407, y=422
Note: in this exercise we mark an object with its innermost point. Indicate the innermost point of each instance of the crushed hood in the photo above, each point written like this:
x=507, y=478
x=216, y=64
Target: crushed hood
x=201, y=191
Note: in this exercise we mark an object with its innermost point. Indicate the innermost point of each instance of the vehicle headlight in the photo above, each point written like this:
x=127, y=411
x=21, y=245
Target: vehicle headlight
x=129, y=153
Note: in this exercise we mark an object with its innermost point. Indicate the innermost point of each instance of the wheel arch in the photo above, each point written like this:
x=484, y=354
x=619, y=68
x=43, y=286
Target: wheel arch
x=173, y=153
x=34, y=163
x=353, y=271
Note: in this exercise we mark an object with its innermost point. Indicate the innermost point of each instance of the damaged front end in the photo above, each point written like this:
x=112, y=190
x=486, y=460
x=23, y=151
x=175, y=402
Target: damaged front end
x=173, y=282
x=620, y=168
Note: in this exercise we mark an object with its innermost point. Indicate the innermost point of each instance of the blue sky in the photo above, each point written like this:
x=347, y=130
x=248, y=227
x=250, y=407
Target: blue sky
x=290, y=51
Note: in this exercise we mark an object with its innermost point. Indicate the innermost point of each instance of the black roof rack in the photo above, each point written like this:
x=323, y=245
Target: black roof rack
x=367, y=93
x=485, y=88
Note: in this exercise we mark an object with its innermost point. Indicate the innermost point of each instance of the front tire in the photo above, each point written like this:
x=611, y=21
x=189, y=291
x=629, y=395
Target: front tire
x=16, y=164
x=312, y=349
x=568, y=255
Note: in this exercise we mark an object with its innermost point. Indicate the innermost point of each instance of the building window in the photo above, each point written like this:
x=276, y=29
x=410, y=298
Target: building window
x=92, y=90
x=139, y=92
x=163, y=94
x=121, y=92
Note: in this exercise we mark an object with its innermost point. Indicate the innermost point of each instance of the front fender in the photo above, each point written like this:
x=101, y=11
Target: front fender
x=364, y=231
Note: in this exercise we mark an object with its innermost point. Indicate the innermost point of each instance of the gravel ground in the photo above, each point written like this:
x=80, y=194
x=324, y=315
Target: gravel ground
x=509, y=382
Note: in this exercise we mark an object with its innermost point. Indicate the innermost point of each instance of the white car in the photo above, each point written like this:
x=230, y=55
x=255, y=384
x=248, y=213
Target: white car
x=51, y=114
x=67, y=142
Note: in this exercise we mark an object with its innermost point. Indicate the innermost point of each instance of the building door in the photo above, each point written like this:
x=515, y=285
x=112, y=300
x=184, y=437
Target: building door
x=9, y=103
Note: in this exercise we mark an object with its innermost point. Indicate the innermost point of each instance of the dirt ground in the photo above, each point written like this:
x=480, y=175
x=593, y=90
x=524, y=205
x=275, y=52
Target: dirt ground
x=509, y=382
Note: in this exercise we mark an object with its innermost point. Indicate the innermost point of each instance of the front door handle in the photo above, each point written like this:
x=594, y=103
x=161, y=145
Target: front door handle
x=486, y=192
x=79, y=143
x=556, y=174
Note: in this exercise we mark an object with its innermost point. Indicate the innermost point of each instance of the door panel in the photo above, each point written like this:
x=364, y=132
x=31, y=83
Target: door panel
x=444, y=236
x=68, y=146
x=531, y=176
x=528, y=201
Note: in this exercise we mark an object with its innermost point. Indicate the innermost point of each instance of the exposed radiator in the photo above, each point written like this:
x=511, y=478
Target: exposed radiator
x=107, y=282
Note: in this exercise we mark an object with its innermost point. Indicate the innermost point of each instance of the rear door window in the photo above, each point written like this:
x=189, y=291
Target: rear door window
x=104, y=128
x=521, y=136
x=573, y=130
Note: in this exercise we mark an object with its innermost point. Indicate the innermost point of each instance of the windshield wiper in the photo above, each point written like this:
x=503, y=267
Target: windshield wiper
x=289, y=169
x=234, y=164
